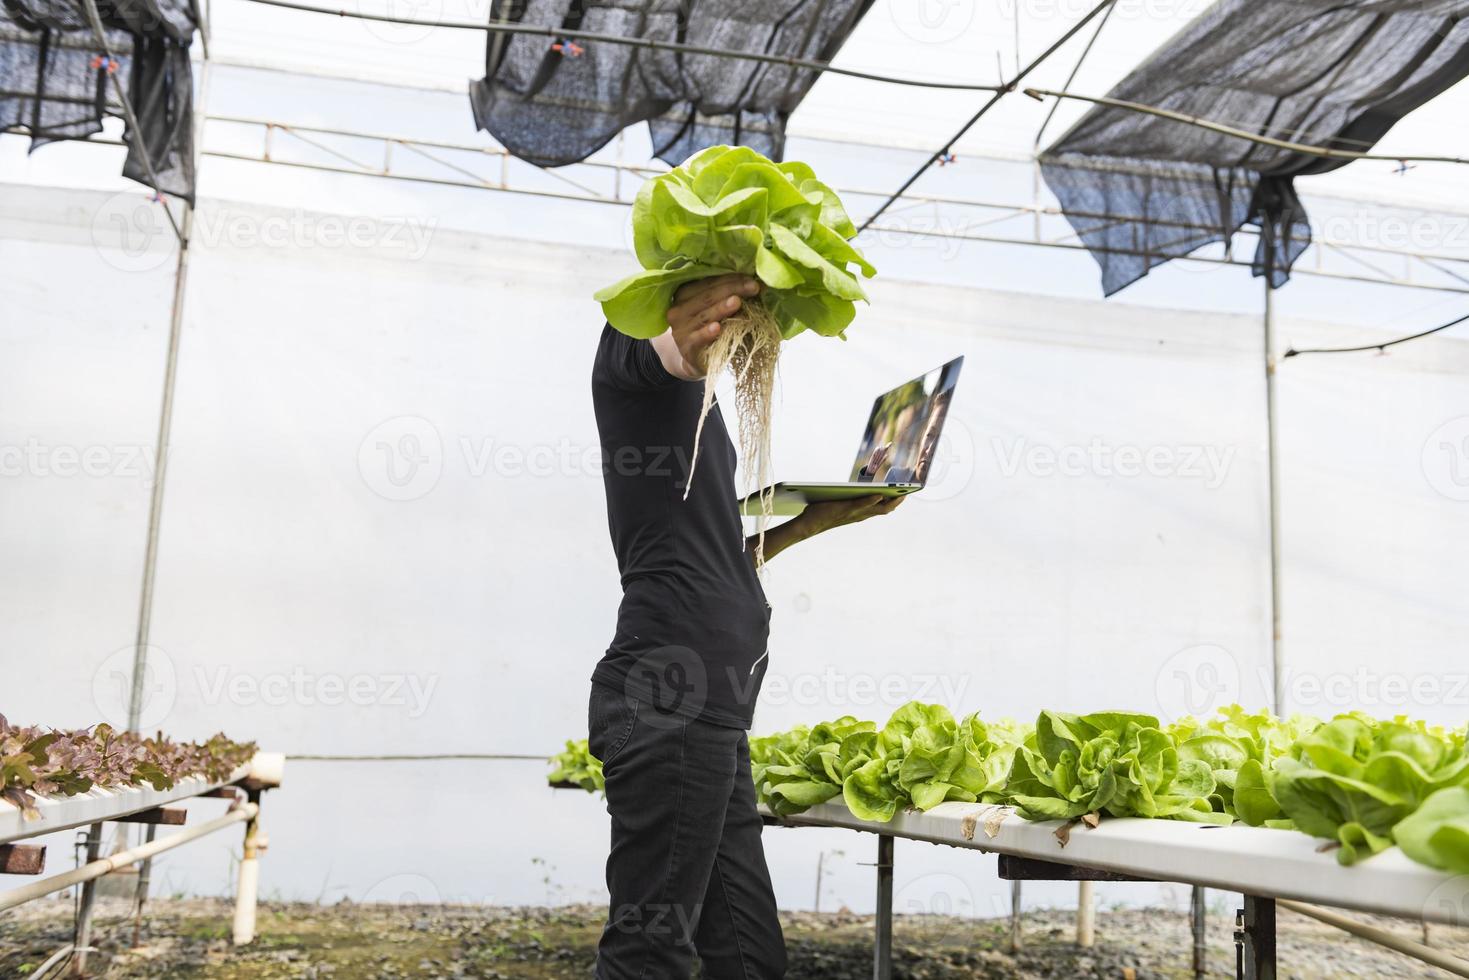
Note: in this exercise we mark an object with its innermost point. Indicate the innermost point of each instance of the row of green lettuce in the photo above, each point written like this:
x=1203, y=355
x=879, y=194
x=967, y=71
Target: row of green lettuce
x=1364, y=783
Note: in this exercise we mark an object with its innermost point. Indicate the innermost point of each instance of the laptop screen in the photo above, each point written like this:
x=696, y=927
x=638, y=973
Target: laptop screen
x=904, y=428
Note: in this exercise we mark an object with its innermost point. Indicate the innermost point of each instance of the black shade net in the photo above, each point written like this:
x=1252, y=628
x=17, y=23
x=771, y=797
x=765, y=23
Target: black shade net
x=54, y=79
x=1332, y=73
x=553, y=102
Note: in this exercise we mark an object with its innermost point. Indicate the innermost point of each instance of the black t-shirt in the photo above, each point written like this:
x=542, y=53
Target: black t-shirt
x=693, y=622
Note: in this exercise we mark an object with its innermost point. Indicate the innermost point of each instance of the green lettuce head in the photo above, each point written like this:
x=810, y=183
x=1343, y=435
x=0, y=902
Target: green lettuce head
x=577, y=766
x=1112, y=762
x=729, y=209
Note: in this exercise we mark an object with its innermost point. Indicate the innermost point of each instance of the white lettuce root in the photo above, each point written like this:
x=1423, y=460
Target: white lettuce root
x=748, y=346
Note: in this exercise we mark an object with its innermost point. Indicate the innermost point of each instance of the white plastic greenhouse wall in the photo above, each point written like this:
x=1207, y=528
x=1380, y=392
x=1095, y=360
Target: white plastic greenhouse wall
x=384, y=529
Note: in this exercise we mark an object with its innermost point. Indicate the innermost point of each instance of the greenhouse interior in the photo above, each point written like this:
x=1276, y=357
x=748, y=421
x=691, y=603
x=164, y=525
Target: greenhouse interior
x=409, y=498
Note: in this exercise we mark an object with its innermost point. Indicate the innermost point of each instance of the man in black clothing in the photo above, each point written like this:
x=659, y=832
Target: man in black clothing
x=674, y=694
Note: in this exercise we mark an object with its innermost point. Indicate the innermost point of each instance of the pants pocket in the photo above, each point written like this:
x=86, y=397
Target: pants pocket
x=611, y=718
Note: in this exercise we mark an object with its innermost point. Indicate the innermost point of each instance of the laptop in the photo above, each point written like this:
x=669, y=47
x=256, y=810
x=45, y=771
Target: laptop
x=896, y=452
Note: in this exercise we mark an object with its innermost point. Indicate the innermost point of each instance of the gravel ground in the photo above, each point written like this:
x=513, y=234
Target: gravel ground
x=189, y=939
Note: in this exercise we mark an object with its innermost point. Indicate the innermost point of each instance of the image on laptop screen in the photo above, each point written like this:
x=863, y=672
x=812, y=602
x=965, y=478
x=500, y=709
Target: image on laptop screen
x=904, y=428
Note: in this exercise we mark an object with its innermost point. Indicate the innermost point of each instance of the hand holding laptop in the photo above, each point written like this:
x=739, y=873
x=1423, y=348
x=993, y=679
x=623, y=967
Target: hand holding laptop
x=902, y=434
x=827, y=514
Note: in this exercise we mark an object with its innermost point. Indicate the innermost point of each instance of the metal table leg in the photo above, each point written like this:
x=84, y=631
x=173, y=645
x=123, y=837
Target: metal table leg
x=1199, y=925
x=1017, y=933
x=1254, y=939
x=82, y=937
x=882, y=952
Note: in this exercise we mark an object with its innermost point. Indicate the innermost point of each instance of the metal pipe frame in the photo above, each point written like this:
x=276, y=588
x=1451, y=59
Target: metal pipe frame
x=96, y=867
x=456, y=176
x=1435, y=262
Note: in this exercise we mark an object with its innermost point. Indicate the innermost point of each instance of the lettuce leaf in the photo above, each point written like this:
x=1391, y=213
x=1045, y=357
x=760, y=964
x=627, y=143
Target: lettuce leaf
x=1363, y=783
x=731, y=210
x=1437, y=833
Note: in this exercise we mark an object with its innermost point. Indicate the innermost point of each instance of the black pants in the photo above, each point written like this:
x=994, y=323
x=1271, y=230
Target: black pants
x=687, y=870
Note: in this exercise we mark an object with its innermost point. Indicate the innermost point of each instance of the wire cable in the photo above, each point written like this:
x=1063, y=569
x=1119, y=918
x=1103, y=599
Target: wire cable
x=1377, y=347
x=1306, y=148
x=127, y=108
x=1101, y=25
x=561, y=33
x=999, y=93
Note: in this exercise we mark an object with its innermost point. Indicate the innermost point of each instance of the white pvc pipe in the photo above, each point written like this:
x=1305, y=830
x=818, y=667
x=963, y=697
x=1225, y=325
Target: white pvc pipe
x=1086, y=914
x=55, y=959
x=244, y=930
x=1382, y=937
x=268, y=768
x=249, y=886
x=96, y=869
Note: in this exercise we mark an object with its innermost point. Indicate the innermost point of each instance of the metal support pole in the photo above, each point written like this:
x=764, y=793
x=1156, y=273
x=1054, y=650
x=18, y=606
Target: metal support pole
x=1086, y=914
x=1277, y=672
x=820, y=859
x=882, y=950
x=1199, y=924
x=82, y=938
x=1254, y=939
x=155, y=504
x=1016, y=940
x=140, y=897
x=249, y=886
x=165, y=415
